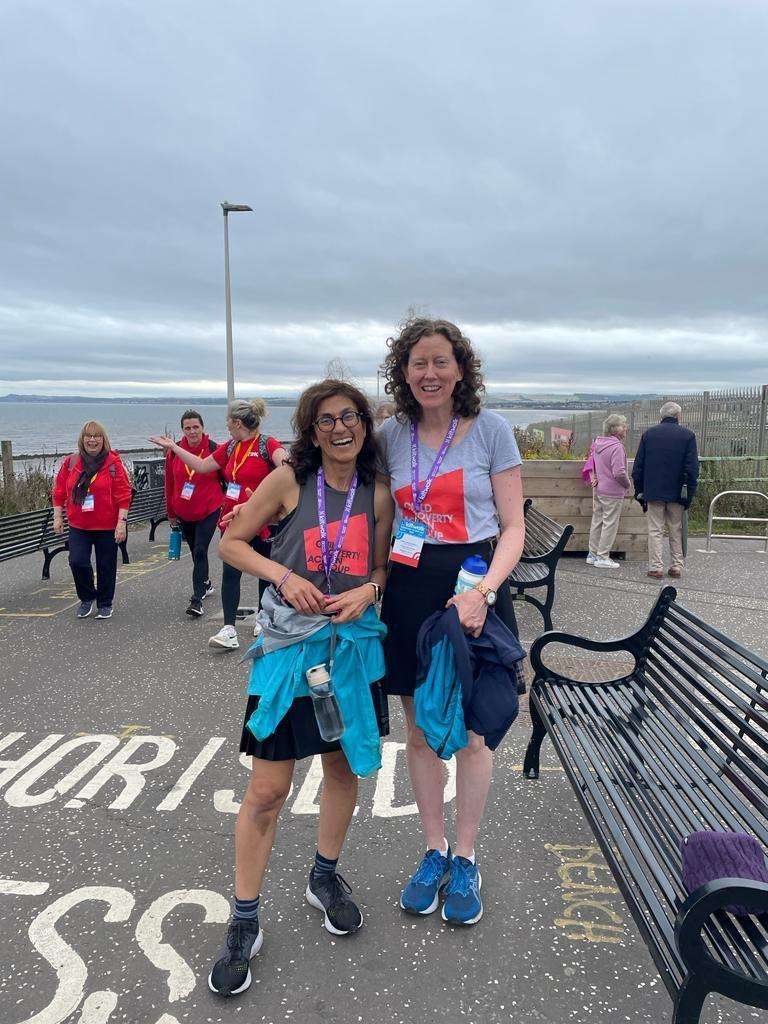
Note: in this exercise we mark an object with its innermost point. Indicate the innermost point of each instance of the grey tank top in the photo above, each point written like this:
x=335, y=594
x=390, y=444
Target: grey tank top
x=297, y=543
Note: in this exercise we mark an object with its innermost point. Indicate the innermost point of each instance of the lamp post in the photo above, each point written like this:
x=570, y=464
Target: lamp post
x=228, y=208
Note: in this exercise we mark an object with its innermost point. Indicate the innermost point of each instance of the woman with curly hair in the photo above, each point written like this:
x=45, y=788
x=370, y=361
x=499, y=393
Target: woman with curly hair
x=454, y=472
x=327, y=569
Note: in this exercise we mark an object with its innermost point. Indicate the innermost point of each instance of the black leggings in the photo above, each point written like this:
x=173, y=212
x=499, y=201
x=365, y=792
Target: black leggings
x=198, y=536
x=230, y=584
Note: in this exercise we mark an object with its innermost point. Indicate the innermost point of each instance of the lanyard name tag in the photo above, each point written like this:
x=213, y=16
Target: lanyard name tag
x=233, y=491
x=187, y=490
x=411, y=534
x=88, y=503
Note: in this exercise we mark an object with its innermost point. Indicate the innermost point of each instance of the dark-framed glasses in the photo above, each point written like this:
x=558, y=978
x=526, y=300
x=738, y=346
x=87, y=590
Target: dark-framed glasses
x=349, y=418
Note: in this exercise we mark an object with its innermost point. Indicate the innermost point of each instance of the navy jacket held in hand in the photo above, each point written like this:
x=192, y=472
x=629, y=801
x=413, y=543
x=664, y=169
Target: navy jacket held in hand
x=666, y=460
x=481, y=670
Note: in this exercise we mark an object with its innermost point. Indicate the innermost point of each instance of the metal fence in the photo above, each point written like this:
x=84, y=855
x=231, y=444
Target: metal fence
x=733, y=421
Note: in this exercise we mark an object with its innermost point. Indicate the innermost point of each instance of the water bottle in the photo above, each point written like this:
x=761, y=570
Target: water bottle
x=327, y=712
x=473, y=570
x=174, y=544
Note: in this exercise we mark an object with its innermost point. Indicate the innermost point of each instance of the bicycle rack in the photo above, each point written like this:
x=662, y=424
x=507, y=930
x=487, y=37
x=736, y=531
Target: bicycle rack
x=712, y=518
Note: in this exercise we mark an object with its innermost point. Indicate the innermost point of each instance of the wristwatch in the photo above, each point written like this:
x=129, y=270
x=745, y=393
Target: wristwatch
x=488, y=594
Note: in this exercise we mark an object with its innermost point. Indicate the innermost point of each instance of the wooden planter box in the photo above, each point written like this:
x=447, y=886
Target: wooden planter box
x=558, y=490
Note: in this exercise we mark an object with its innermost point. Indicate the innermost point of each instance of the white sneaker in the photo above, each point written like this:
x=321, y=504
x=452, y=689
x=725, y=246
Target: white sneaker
x=226, y=638
x=591, y=559
x=605, y=563
x=258, y=629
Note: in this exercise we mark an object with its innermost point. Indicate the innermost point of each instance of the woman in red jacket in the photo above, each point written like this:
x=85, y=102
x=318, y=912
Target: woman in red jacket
x=193, y=502
x=93, y=487
x=243, y=462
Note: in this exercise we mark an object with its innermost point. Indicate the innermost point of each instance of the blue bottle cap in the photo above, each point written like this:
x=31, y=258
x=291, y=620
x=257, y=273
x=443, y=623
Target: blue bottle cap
x=476, y=565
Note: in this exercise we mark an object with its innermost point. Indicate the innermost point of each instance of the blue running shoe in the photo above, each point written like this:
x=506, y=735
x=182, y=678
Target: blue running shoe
x=462, y=893
x=420, y=896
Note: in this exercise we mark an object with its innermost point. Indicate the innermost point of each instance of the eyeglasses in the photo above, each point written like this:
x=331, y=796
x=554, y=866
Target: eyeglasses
x=349, y=418
x=92, y=437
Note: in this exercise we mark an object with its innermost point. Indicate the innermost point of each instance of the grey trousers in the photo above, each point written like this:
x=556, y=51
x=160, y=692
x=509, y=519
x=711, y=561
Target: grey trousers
x=661, y=514
x=606, y=513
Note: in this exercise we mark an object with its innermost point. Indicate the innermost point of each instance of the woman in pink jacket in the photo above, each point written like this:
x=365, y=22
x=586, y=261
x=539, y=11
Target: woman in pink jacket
x=612, y=485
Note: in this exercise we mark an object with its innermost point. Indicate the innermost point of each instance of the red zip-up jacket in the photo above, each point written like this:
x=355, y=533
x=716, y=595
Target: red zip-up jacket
x=207, y=496
x=111, y=490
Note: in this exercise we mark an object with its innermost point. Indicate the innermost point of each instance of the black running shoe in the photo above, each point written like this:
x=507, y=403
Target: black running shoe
x=195, y=607
x=331, y=894
x=208, y=589
x=231, y=973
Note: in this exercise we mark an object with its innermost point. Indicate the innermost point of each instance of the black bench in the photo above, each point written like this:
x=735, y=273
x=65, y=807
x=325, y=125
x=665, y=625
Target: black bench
x=545, y=541
x=28, y=532
x=677, y=745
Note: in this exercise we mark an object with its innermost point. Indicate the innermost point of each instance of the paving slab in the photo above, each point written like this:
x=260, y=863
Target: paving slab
x=115, y=880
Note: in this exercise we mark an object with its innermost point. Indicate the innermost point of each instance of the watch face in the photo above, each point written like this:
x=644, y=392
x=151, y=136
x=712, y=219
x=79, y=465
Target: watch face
x=490, y=597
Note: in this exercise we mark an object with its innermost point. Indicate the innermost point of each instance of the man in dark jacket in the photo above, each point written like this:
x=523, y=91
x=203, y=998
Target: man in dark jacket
x=665, y=474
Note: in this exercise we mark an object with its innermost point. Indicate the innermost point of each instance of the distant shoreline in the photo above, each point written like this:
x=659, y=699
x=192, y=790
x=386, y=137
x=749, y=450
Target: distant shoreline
x=572, y=405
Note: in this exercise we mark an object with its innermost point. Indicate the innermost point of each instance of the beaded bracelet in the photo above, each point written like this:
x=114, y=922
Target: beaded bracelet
x=279, y=586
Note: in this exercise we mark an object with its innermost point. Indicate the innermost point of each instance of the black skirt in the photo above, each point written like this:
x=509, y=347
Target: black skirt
x=297, y=735
x=412, y=595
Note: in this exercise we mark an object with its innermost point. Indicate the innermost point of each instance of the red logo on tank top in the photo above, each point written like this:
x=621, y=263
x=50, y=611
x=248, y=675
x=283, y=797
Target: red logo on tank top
x=443, y=509
x=354, y=556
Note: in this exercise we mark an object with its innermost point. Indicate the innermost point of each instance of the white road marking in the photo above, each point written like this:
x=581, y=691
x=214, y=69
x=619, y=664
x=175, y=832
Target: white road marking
x=131, y=773
x=149, y=935
x=70, y=969
x=188, y=777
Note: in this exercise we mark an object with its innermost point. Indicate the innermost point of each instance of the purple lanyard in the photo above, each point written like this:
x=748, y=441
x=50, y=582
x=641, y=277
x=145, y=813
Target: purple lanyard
x=329, y=557
x=420, y=495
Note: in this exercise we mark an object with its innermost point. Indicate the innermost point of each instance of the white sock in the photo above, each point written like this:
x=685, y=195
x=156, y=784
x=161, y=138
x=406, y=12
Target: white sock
x=471, y=857
x=444, y=848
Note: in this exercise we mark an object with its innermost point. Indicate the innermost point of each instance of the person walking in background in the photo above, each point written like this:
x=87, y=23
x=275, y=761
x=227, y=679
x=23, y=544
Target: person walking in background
x=243, y=462
x=93, y=488
x=612, y=485
x=193, y=502
x=665, y=474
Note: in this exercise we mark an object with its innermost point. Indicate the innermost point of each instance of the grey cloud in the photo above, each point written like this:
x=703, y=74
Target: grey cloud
x=584, y=165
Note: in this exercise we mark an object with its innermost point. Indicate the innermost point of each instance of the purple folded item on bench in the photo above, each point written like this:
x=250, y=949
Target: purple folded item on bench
x=709, y=856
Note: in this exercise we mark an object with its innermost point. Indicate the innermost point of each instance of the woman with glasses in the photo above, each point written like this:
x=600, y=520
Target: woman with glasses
x=93, y=488
x=244, y=462
x=327, y=569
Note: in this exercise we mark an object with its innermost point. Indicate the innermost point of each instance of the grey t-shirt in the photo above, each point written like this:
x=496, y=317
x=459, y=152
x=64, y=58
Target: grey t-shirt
x=459, y=507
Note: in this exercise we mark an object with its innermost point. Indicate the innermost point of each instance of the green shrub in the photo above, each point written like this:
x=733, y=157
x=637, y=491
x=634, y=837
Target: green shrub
x=31, y=489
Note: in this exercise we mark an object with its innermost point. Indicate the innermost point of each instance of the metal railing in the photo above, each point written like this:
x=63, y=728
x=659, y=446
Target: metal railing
x=712, y=518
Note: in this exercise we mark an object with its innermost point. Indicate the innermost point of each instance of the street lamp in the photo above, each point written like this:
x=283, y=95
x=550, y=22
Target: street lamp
x=227, y=209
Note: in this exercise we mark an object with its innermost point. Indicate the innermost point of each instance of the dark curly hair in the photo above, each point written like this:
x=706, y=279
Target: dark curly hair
x=305, y=456
x=468, y=391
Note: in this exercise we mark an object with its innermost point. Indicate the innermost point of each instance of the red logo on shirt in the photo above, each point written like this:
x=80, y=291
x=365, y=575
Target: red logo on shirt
x=353, y=558
x=443, y=508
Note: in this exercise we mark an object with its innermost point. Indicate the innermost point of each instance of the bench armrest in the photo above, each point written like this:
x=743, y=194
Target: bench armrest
x=583, y=643
x=635, y=644
x=693, y=916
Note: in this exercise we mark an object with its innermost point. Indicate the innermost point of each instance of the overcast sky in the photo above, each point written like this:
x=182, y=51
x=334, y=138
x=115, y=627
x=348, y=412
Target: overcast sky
x=580, y=185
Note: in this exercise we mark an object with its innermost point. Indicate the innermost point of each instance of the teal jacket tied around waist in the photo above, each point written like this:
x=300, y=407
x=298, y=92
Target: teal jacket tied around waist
x=278, y=678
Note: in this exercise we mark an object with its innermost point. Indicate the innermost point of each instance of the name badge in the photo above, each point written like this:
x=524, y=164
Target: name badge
x=409, y=541
x=233, y=491
x=88, y=503
x=187, y=490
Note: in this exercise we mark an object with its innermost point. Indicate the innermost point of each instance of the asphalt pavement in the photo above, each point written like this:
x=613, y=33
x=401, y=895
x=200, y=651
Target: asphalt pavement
x=119, y=782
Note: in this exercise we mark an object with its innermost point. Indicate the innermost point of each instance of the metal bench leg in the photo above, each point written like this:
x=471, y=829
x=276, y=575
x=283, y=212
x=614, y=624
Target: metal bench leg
x=690, y=1002
x=153, y=525
x=123, y=545
x=546, y=610
x=531, y=761
x=48, y=557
